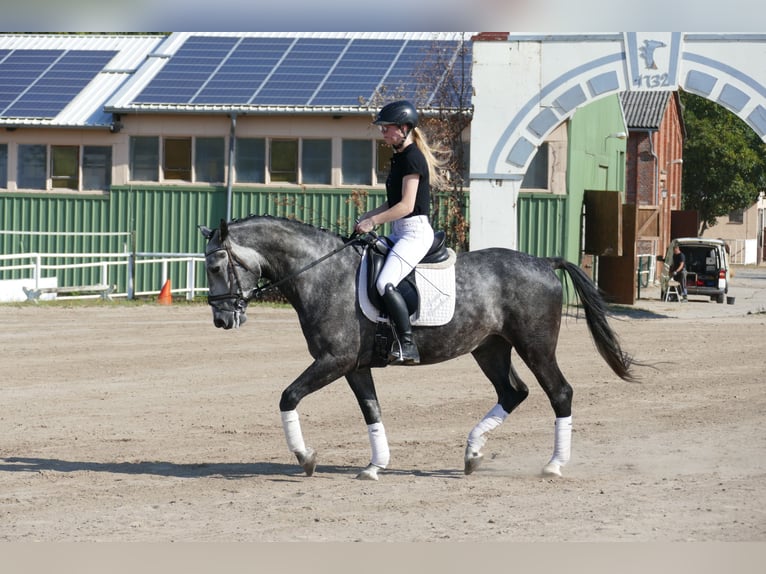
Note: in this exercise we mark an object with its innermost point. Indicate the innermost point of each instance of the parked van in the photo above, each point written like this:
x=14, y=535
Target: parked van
x=707, y=267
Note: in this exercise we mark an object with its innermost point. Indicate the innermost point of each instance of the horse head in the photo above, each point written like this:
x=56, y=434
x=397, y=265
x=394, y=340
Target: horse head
x=233, y=273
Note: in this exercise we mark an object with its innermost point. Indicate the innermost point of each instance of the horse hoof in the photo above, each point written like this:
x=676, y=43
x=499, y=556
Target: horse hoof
x=552, y=469
x=308, y=460
x=473, y=461
x=369, y=473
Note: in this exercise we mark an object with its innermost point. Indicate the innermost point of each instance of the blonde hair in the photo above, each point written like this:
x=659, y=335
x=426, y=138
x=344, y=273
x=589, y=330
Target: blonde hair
x=436, y=165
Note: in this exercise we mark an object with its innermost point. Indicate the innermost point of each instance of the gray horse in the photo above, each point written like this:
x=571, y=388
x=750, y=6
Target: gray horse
x=505, y=300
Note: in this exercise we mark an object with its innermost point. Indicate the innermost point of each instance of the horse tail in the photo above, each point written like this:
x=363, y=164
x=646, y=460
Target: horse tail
x=596, y=311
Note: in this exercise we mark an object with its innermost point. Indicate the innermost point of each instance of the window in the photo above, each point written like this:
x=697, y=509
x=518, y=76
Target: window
x=250, y=162
x=65, y=167
x=31, y=166
x=356, y=163
x=537, y=172
x=144, y=158
x=283, y=164
x=316, y=162
x=177, y=161
x=96, y=167
x=737, y=216
x=209, y=159
x=383, y=156
x=3, y=166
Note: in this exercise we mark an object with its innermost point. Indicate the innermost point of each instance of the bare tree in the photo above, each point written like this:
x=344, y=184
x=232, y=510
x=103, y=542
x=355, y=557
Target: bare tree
x=444, y=78
x=442, y=94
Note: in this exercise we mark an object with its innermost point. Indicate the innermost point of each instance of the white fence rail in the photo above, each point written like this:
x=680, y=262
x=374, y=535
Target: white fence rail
x=743, y=251
x=39, y=272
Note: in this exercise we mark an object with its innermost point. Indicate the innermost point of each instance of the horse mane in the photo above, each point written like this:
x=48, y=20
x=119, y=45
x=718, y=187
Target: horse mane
x=290, y=221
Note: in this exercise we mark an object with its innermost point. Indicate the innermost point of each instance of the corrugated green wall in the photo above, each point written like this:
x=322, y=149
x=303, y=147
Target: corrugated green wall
x=595, y=161
x=164, y=220
x=541, y=224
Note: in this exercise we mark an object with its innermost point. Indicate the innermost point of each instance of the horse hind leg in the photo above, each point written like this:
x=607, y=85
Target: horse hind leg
x=562, y=444
x=494, y=359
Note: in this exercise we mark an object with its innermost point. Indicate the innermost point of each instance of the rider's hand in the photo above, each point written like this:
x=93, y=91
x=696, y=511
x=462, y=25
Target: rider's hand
x=364, y=226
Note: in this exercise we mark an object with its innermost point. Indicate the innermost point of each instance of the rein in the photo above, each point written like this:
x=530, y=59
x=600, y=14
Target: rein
x=241, y=299
x=259, y=290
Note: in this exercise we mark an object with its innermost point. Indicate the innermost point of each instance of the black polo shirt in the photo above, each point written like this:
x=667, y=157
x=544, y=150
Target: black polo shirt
x=409, y=161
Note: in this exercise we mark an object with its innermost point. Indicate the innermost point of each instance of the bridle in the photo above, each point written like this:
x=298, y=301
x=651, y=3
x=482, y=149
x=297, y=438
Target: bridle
x=239, y=297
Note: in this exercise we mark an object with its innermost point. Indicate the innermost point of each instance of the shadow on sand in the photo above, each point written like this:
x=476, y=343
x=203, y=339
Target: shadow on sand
x=272, y=470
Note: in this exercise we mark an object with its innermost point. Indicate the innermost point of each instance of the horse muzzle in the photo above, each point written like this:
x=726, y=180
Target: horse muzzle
x=229, y=319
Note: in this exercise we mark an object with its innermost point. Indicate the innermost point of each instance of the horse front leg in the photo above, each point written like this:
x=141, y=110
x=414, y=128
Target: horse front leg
x=319, y=374
x=363, y=387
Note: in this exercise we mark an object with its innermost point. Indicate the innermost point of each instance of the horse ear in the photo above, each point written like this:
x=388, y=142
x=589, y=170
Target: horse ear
x=206, y=232
x=224, y=229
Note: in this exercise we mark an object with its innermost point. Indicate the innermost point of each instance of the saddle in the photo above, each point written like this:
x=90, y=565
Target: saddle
x=429, y=290
x=376, y=258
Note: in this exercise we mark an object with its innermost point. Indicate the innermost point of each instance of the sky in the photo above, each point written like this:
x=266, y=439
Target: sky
x=533, y=16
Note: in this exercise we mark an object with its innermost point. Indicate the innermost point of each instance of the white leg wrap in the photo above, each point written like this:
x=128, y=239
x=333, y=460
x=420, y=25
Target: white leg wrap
x=379, y=445
x=292, y=427
x=562, y=441
x=491, y=421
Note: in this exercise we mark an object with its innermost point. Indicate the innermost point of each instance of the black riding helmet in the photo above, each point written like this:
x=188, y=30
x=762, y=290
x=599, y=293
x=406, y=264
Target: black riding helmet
x=397, y=113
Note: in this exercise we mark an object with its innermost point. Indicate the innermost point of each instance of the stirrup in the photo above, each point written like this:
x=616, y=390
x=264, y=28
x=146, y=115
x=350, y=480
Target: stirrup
x=406, y=353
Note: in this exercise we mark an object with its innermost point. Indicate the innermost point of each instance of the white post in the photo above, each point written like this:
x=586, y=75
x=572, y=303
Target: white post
x=164, y=276
x=37, y=270
x=190, y=279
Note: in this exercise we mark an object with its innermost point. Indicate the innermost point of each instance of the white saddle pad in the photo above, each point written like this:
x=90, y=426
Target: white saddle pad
x=435, y=283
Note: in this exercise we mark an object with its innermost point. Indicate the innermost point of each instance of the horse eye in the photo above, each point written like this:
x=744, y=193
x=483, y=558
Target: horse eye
x=216, y=269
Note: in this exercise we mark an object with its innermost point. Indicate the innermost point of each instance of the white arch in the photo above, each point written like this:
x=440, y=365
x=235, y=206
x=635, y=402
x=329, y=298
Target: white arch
x=527, y=85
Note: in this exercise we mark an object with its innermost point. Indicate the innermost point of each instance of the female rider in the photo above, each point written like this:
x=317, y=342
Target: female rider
x=408, y=192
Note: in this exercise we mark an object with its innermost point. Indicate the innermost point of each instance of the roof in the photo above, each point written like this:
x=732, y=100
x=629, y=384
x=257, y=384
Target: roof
x=61, y=80
x=80, y=80
x=280, y=72
x=644, y=109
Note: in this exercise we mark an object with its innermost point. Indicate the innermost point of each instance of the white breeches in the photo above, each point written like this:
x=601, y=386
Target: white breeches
x=412, y=238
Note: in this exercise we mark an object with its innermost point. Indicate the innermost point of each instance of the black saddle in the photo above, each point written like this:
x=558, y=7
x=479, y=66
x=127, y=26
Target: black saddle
x=376, y=257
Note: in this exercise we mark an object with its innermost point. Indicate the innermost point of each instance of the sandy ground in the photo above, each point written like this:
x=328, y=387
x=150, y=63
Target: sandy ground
x=145, y=423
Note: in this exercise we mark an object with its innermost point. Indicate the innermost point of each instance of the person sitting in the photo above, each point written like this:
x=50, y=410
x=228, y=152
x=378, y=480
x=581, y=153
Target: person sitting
x=414, y=169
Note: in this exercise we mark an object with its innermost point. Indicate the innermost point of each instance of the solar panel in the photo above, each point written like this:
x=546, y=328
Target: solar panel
x=358, y=73
x=187, y=71
x=19, y=70
x=301, y=72
x=243, y=72
x=400, y=78
x=289, y=71
x=40, y=83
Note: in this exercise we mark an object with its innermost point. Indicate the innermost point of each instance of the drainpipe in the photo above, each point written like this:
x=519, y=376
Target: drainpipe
x=656, y=168
x=656, y=184
x=230, y=175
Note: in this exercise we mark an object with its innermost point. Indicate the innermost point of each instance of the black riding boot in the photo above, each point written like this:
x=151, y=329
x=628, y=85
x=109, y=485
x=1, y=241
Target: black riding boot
x=404, y=349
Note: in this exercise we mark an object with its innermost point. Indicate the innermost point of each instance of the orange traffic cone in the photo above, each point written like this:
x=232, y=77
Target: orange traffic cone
x=165, y=298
